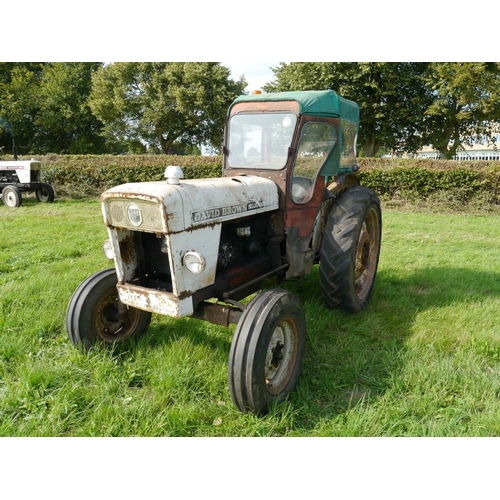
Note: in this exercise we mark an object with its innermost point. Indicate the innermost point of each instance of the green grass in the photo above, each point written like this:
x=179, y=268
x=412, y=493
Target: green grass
x=423, y=359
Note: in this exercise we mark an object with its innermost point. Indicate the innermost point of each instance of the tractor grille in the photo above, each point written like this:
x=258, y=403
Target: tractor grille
x=137, y=215
x=35, y=176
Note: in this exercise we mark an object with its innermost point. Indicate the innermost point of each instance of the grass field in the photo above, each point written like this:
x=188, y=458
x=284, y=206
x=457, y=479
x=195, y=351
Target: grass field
x=423, y=359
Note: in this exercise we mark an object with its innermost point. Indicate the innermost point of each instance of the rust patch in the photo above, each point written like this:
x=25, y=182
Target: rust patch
x=256, y=107
x=156, y=301
x=127, y=249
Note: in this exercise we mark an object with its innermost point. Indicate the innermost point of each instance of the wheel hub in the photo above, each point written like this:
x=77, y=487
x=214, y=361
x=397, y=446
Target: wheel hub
x=10, y=199
x=277, y=351
x=279, y=358
x=111, y=319
x=366, y=256
x=363, y=251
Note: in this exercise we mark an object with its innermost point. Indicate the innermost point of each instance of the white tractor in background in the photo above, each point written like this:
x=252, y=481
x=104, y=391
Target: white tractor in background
x=18, y=176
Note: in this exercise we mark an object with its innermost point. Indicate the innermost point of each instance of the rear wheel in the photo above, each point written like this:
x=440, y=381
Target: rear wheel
x=95, y=314
x=11, y=196
x=350, y=249
x=45, y=193
x=267, y=351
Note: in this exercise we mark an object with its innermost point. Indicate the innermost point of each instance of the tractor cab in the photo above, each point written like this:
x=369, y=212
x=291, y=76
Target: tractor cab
x=305, y=142
x=293, y=138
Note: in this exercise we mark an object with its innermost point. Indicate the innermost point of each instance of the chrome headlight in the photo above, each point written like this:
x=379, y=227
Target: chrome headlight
x=107, y=248
x=194, y=262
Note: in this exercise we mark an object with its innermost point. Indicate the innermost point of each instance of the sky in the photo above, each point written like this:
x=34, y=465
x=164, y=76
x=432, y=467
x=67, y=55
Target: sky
x=256, y=74
x=220, y=30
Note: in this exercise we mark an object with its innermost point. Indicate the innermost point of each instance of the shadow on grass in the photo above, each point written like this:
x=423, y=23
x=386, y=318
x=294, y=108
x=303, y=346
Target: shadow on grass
x=354, y=357
x=349, y=357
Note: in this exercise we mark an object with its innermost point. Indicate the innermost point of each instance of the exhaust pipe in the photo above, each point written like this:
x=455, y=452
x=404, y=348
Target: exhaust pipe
x=14, y=148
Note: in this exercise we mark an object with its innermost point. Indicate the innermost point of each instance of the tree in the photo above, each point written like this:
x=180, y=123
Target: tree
x=465, y=104
x=44, y=106
x=164, y=104
x=19, y=84
x=392, y=97
x=64, y=122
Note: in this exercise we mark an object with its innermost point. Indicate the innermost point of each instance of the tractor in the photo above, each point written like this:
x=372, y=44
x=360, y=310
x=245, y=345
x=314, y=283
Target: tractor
x=21, y=176
x=289, y=199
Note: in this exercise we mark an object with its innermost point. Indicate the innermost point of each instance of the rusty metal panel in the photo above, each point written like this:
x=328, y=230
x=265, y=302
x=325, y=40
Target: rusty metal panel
x=155, y=301
x=209, y=201
x=265, y=107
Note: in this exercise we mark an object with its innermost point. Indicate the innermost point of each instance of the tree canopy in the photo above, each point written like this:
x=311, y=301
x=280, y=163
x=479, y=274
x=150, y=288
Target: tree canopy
x=176, y=107
x=164, y=104
x=465, y=104
x=405, y=106
x=391, y=97
x=44, y=106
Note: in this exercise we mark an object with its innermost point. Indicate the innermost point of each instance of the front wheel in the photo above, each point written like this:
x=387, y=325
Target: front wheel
x=350, y=249
x=12, y=197
x=45, y=193
x=95, y=314
x=267, y=351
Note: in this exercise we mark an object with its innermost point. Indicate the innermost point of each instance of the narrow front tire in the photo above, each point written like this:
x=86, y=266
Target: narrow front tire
x=267, y=351
x=95, y=315
x=12, y=197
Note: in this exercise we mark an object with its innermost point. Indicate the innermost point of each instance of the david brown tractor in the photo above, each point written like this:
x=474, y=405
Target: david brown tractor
x=289, y=199
x=17, y=177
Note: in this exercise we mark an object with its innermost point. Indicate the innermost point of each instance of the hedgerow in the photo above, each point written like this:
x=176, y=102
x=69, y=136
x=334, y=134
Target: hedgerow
x=392, y=178
x=90, y=175
x=460, y=182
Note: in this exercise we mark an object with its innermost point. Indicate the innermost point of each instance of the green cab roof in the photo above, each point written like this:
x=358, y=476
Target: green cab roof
x=311, y=102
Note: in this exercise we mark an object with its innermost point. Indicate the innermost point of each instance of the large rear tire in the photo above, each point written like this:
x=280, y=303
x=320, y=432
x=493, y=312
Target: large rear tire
x=93, y=313
x=350, y=249
x=267, y=351
x=45, y=193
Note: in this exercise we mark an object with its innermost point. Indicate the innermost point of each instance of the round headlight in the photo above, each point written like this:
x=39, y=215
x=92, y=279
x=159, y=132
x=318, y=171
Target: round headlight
x=194, y=262
x=107, y=247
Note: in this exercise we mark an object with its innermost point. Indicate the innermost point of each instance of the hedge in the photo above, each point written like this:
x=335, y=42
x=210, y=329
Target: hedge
x=392, y=178
x=435, y=180
x=89, y=175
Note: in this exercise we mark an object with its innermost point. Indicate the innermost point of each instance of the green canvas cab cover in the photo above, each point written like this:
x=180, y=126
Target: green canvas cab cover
x=311, y=102
x=322, y=103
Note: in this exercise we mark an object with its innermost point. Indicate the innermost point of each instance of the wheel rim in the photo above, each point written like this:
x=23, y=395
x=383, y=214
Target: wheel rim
x=367, y=254
x=112, y=326
x=43, y=194
x=281, y=356
x=10, y=198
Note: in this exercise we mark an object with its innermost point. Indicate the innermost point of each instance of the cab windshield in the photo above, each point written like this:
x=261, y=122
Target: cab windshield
x=260, y=140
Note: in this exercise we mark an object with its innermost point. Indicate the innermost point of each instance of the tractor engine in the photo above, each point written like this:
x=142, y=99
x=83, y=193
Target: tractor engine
x=8, y=176
x=241, y=243
x=175, y=244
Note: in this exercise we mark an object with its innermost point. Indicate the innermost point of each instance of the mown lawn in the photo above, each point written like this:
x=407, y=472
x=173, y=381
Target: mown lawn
x=422, y=360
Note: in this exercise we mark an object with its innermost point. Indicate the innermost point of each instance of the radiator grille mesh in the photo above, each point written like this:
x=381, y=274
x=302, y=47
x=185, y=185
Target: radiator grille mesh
x=121, y=210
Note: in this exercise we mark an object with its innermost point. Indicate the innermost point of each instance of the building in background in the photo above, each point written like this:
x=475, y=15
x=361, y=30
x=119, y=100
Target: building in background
x=480, y=150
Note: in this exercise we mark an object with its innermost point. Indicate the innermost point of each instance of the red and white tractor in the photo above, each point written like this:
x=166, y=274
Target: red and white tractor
x=288, y=200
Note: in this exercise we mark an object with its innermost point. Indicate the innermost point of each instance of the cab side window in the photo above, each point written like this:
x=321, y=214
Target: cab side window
x=317, y=141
